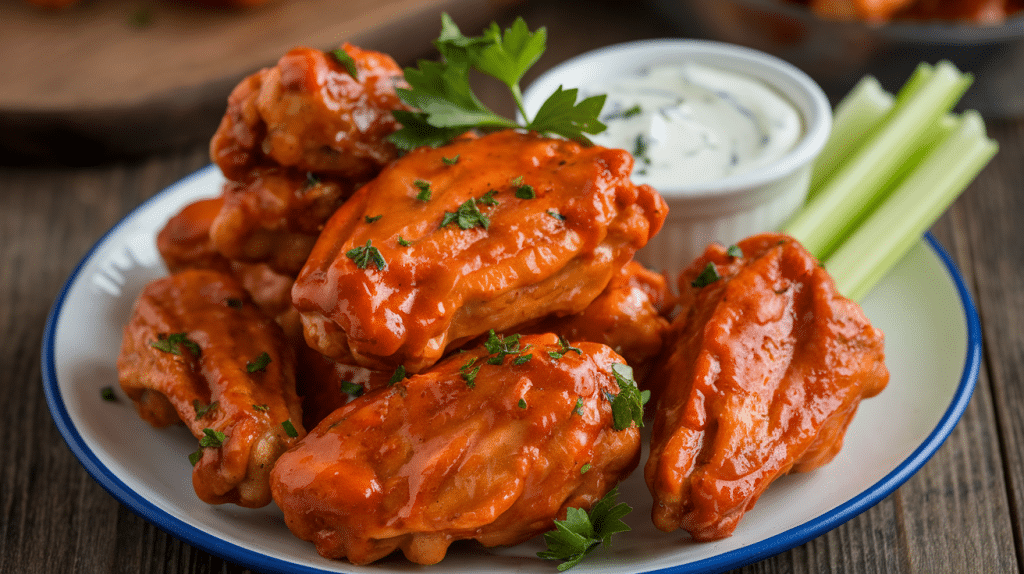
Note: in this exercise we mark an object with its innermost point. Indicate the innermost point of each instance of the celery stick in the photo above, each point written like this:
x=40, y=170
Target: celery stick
x=860, y=184
x=858, y=114
x=898, y=223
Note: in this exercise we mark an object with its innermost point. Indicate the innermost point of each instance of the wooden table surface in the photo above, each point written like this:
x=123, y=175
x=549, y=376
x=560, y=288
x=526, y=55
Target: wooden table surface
x=960, y=513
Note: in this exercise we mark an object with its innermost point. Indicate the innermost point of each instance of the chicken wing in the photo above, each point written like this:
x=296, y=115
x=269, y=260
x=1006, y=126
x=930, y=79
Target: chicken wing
x=198, y=351
x=768, y=364
x=312, y=113
x=484, y=233
x=490, y=446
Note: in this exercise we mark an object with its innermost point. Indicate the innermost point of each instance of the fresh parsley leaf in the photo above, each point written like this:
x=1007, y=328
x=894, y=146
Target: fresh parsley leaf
x=369, y=219
x=424, y=187
x=174, y=342
x=488, y=198
x=348, y=387
x=467, y=216
x=261, y=408
x=346, y=60
x=522, y=403
x=450, y=160
x=628, y=405
x=397, y=376
x=195, y=457
x=259, y=363
x=363, y=255
x=585, y=468
x=107, y=393
x=734, y=251
x=578, y=409
x=581, y=532
x=564, y=347
x=470, y=376
x=708, y=276
x=556, y=215
x=523, y=191
x=212, y=438
x=203, y=410
x=499, y=347
x=289, y=429
x=404, y=242
x=448, y=107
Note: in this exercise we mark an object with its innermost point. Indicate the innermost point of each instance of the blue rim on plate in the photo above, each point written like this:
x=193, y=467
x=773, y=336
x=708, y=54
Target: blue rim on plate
x=727, y=560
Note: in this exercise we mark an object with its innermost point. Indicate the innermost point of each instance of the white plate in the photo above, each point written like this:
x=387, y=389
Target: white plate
x=933, y=346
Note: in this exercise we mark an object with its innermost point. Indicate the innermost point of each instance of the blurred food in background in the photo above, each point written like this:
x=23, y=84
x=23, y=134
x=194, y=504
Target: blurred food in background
x=836, y=43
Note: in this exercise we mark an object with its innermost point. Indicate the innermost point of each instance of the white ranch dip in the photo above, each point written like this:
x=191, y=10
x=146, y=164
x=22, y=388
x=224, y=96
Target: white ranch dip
x=689, y=123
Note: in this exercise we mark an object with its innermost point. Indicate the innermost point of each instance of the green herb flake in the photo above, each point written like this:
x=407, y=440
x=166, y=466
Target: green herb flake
x=397, y=376
x=259, y=363
x=363, y=255
x=425, y=191
x=488, y=198
x=581, y=532
x=522, y=403
x=499, y=347
x=586, y=466
x=450, y=160
x=212, y=438
x=261, y=408
x=470, y=376
x=350, y=388
x=627, y=113
x=467, y=216
x=708, y=276
x=311, y=181
x=404, y=242
x=628, y=405
x=107, y=394
x=522, y=359
x=556, y=215
x=578, y=408
x=370, y=219
x=289, y=429
x=193, y=458
x=347, y=61
x=564, y=347
x=203, y=410
x=174, y=342
x=734, y=251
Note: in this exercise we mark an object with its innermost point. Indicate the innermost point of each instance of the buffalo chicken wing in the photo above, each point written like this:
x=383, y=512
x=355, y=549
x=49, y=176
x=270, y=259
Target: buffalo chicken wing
x=493, y=445
x=766, y=367
x=484, y=233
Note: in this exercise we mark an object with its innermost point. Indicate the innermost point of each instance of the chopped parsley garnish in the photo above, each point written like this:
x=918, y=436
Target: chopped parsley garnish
x=564, y=347
x=350, y=388
x=734, y=251
x=174, y=342
x=578, y=409
x=556, y=215
x=581, y=532
x=398, y=375
x=289, y=429
x=583, y=469
x=363, y=255
x=211, y=439
x=347, y=61
x=522, y=403
x=467, y=216
x=447, y=105
x=499, y=347
x=708, y=276
x=261, y=408
x=628, y=405
x=195, y=456
x=369, y=219
x=107, y=393
x=424, y=187
x=203, y=410
x=523, y=191
x=404, y=242
x=640, y=147
x=259, y=363
x=450, y=160
x=522, y=359
x=488, y=198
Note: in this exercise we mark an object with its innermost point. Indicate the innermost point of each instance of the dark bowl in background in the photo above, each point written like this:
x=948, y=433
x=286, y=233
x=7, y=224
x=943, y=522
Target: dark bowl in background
x=837, y=54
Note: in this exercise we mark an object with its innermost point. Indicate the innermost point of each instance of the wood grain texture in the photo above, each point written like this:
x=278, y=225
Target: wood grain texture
x=960, y=513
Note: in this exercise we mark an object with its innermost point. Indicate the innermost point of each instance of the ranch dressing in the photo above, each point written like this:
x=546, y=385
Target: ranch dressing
x=690, y=123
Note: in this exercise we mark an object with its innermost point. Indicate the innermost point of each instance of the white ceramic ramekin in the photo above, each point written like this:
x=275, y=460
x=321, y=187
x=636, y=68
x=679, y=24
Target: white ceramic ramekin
x=730, y=208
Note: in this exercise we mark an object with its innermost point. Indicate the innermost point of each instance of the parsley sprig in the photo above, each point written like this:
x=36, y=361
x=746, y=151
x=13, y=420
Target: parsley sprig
x=628, y=405
x=581, y=532
x=448, y=107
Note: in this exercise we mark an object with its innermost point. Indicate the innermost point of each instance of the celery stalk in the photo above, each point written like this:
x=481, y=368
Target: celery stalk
x=898, y=223
x=860, y=184
x=858, y=114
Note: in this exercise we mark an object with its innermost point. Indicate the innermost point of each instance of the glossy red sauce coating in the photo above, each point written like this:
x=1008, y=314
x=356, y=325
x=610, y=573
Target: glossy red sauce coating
x=552, y=253
x=764, y=371
x=437, y=458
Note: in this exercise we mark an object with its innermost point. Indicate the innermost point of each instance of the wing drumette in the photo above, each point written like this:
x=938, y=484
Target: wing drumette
x=492, y=444
x=484, y=233
x=767, y=365
x=197, y=350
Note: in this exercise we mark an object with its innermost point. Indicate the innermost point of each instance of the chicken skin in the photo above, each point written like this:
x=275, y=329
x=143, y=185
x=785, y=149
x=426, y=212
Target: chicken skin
x=765, y=370
x=310, y=113
x=484, y=233
x=198, y=351
x=489, y=446
x=275, y=216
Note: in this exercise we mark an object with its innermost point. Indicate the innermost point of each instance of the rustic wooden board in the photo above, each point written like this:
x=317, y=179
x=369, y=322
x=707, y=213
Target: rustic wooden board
x=131, y=76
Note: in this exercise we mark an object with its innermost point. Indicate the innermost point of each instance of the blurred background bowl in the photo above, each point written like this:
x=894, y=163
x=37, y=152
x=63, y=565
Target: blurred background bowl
x=838, y=53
